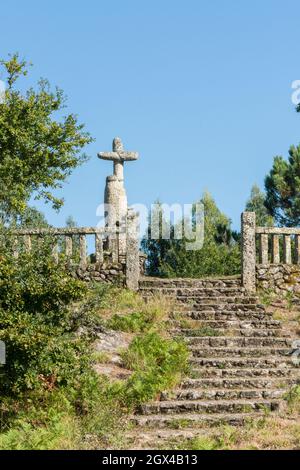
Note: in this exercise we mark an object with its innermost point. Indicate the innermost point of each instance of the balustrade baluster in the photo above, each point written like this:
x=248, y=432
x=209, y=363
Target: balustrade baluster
x=264, y=247
x=287, y=253
x=275, y=249
x=82, y=248
x=27, y=243
x=69, y=246
x=99, y=248
x=16, y=248
x=55, y=252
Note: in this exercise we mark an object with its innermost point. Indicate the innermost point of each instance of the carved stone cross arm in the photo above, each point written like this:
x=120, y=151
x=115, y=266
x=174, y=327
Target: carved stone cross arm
x=121, y=156
x=118, y=156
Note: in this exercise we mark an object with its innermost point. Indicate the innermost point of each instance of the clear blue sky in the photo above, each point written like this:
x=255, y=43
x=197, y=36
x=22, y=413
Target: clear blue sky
x=202, y=89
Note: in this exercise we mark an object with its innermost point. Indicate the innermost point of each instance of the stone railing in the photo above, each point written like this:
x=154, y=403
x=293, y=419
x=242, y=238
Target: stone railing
x=270, y=256
x=66, y=237
x=106, y=263
x=269, y=237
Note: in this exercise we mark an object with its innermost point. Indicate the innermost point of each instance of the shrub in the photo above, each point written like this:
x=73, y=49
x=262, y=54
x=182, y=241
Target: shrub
x=36, y=322
x=158, y=364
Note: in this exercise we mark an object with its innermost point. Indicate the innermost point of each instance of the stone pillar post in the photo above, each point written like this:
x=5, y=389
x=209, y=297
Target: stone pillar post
x=248, y=251
x=132, y=251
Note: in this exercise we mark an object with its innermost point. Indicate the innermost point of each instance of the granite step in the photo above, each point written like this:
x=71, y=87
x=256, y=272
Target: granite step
x=233, y=332
x=246, y=352
x=195, y=291
x=184, y=420
x=231, y=342
x=238, y=383
x=285, y=373
x=262, y=362
x=211, y=406
x=189, y=282
x=219, y=300
x=224, y=325
x=222, y=394
x=213, y=315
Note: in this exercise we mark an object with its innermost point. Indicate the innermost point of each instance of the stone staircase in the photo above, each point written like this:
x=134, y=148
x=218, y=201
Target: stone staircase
x=240, y=356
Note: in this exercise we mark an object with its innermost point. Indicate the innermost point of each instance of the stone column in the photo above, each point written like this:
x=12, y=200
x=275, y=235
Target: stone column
x=132, y=251
x=248, y=251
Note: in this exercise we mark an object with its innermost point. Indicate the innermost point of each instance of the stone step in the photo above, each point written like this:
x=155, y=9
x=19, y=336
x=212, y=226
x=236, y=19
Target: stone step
x=231, y=342
x=263, y=362
x=175, y=421
x=234, y=332
x=224, y=325
x=213, y=406
x=219, y=300
x=246, y=352
x=228, y=310
x=225, y=315
x=239, y=383
x=284, y=373
x=222, y=394
x=195, y=292
x=145, y=438
x=188, y=282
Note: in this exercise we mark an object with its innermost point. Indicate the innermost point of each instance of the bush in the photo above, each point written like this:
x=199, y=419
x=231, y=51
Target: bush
x=36, y=323
x=158, y=364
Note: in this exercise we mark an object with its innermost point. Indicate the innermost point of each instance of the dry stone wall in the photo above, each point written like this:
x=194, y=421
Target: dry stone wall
x=279, y=278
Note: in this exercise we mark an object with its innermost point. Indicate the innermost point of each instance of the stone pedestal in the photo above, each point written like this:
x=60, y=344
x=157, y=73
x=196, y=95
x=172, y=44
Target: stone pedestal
x=115, y=199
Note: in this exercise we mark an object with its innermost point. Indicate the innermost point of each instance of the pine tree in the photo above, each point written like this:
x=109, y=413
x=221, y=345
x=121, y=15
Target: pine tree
x=283, y=189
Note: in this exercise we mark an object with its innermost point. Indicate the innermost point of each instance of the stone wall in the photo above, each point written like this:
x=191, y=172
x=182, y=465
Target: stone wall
x=107, y=271
x=280, y=278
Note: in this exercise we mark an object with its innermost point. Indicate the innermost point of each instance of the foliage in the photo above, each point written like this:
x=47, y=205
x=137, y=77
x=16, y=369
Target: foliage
x=283, y=189
x=158, y=364
x=29, y=218
x=148, y=316
x=36, y=324
x=38, y=147
x=256, y=203
x=220, y=254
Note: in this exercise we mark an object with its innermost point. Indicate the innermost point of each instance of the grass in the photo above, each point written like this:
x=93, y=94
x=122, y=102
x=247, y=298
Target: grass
x=96, y=414
x=270, y=433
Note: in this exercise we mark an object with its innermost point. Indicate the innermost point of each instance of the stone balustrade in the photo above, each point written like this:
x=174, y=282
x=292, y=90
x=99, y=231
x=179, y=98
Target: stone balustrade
x=66, y=238
x=270, y=241
x=270, y=256
x=107, y=262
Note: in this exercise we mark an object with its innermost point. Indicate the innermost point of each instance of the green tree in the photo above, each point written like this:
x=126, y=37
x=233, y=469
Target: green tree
x=29, y=218
x=38, y=147
x=220, y=254
x=256, y=203
x=156, y=249
x=283, y=189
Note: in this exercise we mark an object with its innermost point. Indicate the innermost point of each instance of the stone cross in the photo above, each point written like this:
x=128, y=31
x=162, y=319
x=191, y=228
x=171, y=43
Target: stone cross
x=115, y=196
x=118, y=156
